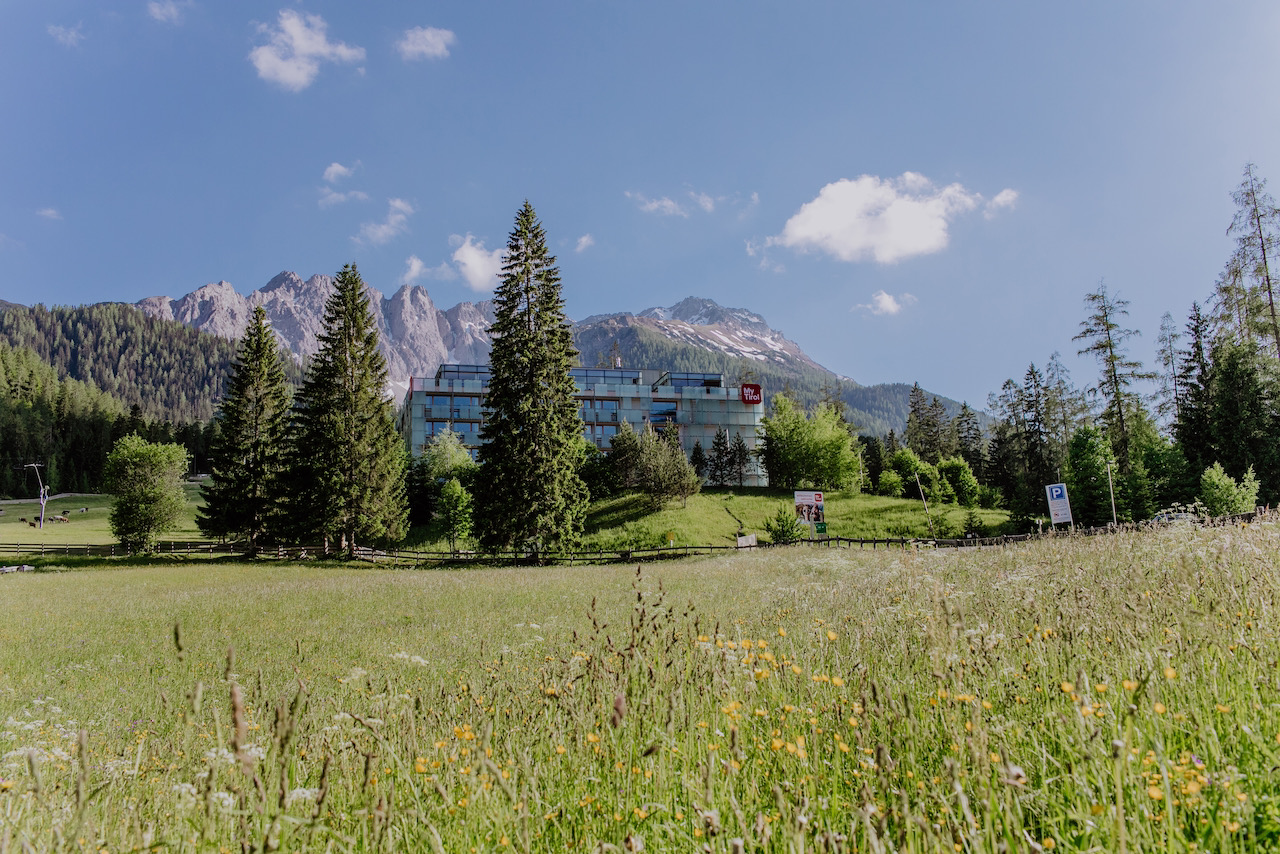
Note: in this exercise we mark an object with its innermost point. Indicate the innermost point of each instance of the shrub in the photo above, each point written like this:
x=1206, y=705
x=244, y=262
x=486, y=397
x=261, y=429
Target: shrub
x=1222, y=496
x=783, y=528
x=890, y=484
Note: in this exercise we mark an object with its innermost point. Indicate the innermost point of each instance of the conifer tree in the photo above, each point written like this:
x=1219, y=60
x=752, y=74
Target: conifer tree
x=530, y=495
x=698, y=459
x=719, y=463
x=247, y=458
x=348, y=473
x=738, y=458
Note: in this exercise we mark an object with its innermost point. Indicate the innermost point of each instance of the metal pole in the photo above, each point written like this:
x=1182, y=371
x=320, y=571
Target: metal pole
x=926, y=508
x=1111, y=487
x=44, y=490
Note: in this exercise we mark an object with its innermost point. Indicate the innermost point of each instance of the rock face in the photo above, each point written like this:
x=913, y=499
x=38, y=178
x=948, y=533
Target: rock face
x=416, y=337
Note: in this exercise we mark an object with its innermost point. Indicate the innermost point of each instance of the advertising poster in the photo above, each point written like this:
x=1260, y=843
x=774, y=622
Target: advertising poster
x=809, y=508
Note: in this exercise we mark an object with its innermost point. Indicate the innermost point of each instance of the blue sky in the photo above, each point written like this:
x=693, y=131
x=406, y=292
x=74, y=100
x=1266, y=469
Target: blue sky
x=911, y=191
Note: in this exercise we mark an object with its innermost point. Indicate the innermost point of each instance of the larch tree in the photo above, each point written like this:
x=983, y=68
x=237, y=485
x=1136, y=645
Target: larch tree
x=348, y=474
x=530, y=494
x=1105, y=340
x=1255, y=226
x=247, y=457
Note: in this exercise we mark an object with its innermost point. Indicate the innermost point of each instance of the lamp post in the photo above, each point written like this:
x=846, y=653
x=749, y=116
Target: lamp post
x=44, y=490
x=1112, y=489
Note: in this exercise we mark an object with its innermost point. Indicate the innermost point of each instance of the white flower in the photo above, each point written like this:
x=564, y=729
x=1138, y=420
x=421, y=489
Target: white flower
x=219, y=754
x=186, y=793
x=224, y=801
x=302, y=795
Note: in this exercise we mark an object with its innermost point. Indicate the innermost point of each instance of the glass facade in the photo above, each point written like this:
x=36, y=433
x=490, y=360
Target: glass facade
x=696, y=404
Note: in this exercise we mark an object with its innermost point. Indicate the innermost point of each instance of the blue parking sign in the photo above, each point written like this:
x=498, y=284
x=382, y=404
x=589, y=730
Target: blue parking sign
x=1059, y=504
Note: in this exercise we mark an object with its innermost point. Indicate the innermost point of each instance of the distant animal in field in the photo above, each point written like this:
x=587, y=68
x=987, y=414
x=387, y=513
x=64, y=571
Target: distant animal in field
x=22, y=519
x=32, y=524
x=84, y=509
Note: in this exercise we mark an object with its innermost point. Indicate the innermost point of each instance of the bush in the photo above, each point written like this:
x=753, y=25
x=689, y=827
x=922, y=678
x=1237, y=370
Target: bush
x=783, y=528
x=1222, y=496
x=960, y=478
x=890, y=484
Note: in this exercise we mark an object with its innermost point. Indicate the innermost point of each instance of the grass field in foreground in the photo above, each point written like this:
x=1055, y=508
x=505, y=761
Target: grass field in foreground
x=1107, y=694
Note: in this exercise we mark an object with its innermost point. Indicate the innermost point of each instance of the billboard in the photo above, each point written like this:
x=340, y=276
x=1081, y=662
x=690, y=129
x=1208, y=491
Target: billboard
x=751, y=393
x=1059, y=503
x=810, y=509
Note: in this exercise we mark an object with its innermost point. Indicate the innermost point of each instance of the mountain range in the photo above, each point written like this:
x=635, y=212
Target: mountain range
x=695, y=334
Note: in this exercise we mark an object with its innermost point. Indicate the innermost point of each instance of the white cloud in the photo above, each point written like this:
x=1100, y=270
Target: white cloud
x=887, y=220
x=295, y=50
x=664, y=205
x=585, y=242
x=336, y=171
x=480, y=267
x=425, y=43
x=703, y=201
x=396, y=223
x=1004, y=199
x=67, y=36
x=330, y=197
x=886, y=303
x=167, y=11
x=49, y=213
x=415, y=268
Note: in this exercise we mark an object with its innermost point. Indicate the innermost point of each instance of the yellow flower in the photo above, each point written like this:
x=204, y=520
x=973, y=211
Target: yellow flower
x=1155, y=793
x=832, y=635
x=560, y=748
x=782, y=633
x=593, y=738
x=1130, y=685
x=837, y=681
x=1049, y=844
x=1223, y=709
x=1170, y=673
x=1160, y=709
x=640, y=814
x=1101, y=687
x=1067, y=687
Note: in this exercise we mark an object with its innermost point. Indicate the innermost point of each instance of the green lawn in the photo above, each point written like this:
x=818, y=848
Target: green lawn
x=710, y=518
x=90, y=528
x=1101, y=694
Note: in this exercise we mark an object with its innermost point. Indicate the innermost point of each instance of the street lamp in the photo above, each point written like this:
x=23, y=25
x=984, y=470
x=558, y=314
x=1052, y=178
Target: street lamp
x=1112, y=489
x=44, y=490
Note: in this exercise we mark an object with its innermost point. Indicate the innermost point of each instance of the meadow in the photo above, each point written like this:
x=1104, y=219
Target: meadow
x=712, y=517
x=1105, y=694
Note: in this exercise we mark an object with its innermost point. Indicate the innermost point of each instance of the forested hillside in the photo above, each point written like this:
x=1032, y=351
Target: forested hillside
x=170, y=371
x=63, y=424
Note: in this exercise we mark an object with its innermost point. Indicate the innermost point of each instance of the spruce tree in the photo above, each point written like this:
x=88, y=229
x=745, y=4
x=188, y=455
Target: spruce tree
x=719, y=464
x=348, y=473
x=530, y=494
x=738, y=459
x=247, y=456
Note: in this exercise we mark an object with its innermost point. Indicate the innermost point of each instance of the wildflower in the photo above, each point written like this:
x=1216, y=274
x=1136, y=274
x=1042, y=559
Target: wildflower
x=831, y=635
x=560, y=748
x=593, y=738
x=1130, y=685
x=1170, y=673
x=1048, y=844
x=1155, y=793
x=1223, y=709
x=1159, y=708
x=1067, y=687
x=782, y=633
x=1101, y=687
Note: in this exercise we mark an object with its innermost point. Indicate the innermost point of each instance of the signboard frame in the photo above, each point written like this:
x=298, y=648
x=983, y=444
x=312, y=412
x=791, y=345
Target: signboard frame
x=1059, y=504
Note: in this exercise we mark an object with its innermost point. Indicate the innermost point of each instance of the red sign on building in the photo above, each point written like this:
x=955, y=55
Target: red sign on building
x=751, y=393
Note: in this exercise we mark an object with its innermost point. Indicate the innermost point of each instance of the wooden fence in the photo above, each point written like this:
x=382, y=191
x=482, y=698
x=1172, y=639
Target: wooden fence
x=417, y=559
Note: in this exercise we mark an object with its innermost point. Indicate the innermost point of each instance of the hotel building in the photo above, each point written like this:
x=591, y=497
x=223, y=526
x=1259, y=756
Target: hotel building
x=696, y=404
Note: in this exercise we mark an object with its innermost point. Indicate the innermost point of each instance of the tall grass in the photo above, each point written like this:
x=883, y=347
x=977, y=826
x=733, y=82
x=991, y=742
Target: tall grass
x=1110, y=694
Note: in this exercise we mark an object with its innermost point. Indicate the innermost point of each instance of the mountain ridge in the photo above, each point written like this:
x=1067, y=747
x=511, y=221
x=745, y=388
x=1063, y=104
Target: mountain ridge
x=695, y=334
